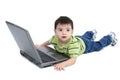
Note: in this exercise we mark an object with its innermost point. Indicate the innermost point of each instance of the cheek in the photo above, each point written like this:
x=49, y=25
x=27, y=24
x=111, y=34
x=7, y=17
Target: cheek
x=57, y=33
x=71, y=32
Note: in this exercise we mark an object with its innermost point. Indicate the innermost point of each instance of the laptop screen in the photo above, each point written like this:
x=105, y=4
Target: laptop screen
x=23, y=40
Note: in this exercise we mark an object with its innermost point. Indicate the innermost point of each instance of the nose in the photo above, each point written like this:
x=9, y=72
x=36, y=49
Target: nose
x=64, y=32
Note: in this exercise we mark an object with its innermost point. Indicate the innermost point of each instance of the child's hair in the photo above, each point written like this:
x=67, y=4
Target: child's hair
x=63, y=20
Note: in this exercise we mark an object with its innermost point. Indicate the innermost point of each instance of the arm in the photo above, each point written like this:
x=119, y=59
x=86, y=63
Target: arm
x=62, y=65
x=43, y=44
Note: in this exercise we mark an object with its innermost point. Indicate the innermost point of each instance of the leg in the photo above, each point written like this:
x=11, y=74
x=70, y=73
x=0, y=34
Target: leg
x=88, y=35
x=92, y=46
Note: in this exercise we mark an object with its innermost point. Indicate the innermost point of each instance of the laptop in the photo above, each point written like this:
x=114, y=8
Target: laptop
x=42, y=57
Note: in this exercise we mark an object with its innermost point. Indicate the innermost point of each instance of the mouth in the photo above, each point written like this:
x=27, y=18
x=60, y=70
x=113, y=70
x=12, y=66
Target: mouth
x=64, y=36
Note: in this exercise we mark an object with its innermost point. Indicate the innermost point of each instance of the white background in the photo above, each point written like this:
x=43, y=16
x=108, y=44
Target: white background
x=38, y=16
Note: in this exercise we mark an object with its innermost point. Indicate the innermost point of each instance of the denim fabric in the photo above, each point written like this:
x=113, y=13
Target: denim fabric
x=91, y=45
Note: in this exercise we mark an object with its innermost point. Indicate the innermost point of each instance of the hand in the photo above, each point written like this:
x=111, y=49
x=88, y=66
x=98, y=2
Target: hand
x=59, y=66
x=37, y=45
x=62, y=65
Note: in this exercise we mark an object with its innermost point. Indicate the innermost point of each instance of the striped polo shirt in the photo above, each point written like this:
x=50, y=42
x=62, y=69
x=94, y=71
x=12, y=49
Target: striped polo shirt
x=73, y=48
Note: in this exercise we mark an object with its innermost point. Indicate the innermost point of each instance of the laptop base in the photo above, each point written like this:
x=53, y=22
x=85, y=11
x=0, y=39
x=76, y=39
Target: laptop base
x=41, y=65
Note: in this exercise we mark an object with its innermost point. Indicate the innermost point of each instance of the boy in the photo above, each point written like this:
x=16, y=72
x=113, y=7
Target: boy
x=73, y=46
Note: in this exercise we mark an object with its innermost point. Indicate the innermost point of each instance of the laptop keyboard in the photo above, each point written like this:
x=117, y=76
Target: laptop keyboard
x=44, y=57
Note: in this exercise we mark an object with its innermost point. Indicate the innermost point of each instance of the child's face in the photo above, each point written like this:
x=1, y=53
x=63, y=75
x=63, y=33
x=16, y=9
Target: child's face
x=63, y=32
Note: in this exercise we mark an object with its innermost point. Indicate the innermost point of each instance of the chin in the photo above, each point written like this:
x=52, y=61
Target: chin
x=65, y=40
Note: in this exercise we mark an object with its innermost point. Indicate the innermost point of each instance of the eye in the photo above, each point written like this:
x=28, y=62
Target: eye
x=60, y=29
x=68, y=30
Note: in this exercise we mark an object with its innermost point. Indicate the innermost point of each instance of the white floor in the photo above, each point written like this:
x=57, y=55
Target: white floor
x=38, y=18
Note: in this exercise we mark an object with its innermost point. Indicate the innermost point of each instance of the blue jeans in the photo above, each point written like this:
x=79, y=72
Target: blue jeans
x=91, y=45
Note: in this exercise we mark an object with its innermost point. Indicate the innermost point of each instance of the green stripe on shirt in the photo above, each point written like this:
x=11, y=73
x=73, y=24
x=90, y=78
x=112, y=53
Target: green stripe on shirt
x=73, y=48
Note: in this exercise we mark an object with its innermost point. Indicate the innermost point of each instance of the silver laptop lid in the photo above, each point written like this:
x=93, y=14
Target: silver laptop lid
x=23, y=40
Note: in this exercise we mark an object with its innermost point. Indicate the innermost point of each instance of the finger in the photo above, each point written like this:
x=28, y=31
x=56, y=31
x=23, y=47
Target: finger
x=57, y=67
x=63, y=69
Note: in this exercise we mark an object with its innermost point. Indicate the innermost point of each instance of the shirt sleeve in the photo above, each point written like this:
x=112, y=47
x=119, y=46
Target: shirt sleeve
x=53, y=40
